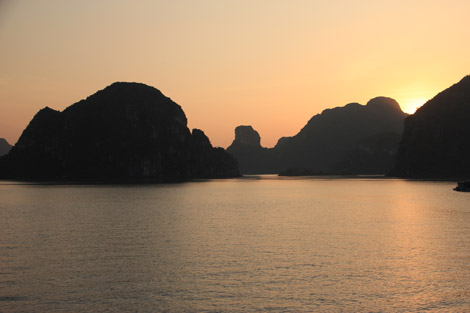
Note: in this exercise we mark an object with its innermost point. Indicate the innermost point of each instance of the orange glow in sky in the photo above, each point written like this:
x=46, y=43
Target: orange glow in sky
x=272, y=64
x=410, y=105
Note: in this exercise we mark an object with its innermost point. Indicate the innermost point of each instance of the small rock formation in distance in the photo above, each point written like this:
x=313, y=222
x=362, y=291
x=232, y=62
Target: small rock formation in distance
x=246, y=148
x=127, y=130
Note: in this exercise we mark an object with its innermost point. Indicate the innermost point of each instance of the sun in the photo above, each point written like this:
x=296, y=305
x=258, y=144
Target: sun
x=412, y=104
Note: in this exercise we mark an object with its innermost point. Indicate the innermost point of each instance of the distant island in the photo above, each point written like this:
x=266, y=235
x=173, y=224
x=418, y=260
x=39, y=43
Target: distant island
x=127, y=130
x=130, y=130
x=375, y=139
x=251, y=156
x=436, y=139
x=5, y=147
x=354, y=139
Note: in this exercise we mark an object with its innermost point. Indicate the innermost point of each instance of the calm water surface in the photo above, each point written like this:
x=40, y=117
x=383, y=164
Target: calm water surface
x=252, y=244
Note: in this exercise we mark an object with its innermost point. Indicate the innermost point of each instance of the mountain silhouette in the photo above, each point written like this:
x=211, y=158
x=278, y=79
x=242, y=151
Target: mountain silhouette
x=335, y=141
x=435, y=141
x=373, y=155
x=127, y=130
x=251, y=156
x=4, y=147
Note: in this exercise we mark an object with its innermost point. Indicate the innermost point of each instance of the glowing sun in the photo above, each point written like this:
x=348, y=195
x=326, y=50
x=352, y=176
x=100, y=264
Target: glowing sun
x=411, y=105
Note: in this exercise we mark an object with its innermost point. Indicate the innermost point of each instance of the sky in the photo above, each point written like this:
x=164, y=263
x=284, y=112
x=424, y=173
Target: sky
x=272, y=64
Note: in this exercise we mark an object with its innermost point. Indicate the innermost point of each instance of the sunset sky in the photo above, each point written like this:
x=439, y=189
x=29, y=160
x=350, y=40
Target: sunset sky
x=272, y=64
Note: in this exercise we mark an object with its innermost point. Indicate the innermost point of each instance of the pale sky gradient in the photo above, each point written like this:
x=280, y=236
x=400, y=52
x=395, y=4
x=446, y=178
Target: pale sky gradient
x=271, y=64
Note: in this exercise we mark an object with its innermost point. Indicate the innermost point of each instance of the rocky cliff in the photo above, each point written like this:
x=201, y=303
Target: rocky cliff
x=246, y=135
x=251, y=156
x=127, y=130
x=435, y=141
x=4, y=147
x=341, y=140
x=373, y=155
x=328, y=137
x=209, y=162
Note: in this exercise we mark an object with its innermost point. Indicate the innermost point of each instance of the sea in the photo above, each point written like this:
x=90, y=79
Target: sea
x=253, y=244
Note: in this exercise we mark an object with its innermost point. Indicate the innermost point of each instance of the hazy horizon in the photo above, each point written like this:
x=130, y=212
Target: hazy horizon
x=269, y=64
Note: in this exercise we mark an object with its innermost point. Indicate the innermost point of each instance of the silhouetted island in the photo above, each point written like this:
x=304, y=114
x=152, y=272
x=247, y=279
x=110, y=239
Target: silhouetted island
x=4, y=147
x=127, y=130
x=251, y=156
x=436, y=139
x=354, y=139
